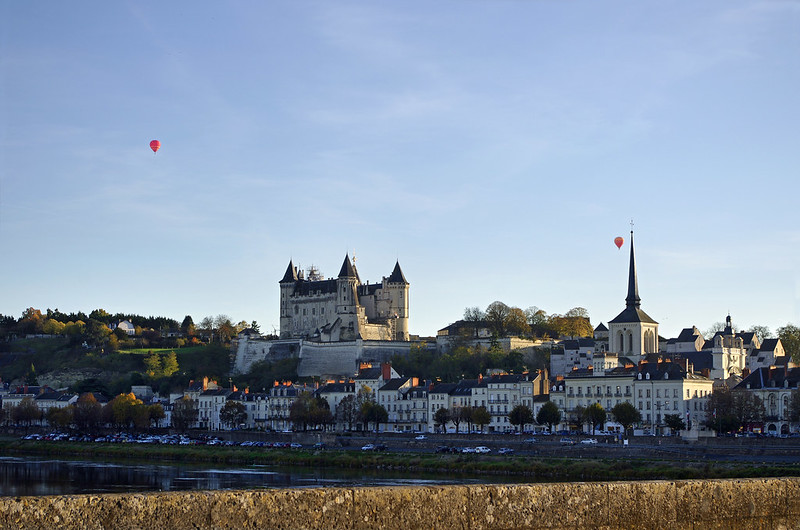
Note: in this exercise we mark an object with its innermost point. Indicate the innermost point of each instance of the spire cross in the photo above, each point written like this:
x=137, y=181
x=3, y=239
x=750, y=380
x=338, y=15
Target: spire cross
x=631, y=225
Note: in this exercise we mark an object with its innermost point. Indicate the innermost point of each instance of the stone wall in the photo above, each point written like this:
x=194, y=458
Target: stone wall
x=751, y=503
x=321, y=359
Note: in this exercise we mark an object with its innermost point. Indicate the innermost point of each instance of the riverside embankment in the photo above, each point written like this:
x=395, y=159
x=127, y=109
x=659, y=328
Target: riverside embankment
x=738, y=503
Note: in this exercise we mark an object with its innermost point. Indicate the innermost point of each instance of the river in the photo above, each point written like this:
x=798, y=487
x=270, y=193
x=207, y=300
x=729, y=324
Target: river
x=34, y=476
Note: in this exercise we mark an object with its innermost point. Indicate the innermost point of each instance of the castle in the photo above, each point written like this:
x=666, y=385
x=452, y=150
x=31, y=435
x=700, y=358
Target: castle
x=343, y=309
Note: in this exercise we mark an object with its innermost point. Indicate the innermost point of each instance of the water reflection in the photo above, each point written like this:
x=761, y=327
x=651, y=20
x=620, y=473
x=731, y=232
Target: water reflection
x=41, y=476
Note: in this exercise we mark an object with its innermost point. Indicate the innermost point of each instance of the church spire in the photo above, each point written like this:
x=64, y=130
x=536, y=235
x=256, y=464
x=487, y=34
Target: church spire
x=633, y=299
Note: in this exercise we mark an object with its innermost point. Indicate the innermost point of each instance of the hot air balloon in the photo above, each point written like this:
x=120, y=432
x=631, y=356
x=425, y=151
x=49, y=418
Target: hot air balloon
x=154, y=145
x=619, y=241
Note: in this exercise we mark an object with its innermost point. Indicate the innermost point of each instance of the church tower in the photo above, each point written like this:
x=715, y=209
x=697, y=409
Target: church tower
x=633, y=333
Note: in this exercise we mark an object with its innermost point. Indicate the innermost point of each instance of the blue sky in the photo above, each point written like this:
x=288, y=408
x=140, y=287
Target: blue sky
x=495, y=148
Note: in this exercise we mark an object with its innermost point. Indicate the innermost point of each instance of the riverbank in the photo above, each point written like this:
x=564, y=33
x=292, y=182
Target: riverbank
x=536, y=468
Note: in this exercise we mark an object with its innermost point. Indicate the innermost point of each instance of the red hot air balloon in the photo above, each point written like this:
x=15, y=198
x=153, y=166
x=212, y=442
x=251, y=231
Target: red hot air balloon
x=154, y=145
x=619, y=241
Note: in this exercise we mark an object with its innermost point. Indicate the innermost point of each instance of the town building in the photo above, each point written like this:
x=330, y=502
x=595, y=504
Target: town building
x=774, y=386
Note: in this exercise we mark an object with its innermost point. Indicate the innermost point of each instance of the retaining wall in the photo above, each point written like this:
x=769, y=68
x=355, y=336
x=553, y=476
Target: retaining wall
x=756, y=503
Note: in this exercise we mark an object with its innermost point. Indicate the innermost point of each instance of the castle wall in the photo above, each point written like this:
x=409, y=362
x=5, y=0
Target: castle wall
x=739, y=503
x=336, y=359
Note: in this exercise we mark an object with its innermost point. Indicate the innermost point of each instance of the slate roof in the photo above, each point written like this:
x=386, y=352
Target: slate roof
x=290, y=275
x=762, y=378
x=688, y=335
x=393, y=384
x=575, y=344
x=397, y=275
x=601, y=327
x=347, y=270
x=769, y=345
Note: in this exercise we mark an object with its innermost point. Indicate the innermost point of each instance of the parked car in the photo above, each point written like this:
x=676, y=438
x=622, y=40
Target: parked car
x=482, y=449
x=368, y=447
x=505, y=451
x=420, y=437
x=444, y=449
x=380, y=447
x=589, y=441
x=567, y=441
x=529, y=440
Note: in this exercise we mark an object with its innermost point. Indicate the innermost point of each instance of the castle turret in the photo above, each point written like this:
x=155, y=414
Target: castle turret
x=398, y=288
x=287, y=288
x=347, y=306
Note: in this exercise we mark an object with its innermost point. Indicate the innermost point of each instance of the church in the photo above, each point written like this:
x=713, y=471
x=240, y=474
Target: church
x=344, y=308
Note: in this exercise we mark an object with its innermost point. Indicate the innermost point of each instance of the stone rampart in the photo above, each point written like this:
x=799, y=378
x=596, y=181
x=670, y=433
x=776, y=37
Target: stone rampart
x=746, y=503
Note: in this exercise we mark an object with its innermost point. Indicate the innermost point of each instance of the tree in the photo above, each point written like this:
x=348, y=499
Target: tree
x=578, y=417
x=548, y=415
x=233, y=413
x=31, y=321
x=59, y=417
x=595, y=415
x=466, y=416
x=53, y=327
x=184, y=413
x=474, y=316
x=255, y=327
x=87, y=412
x=152, y=365
x=374, y=413
x=496, y=315
x=730, y=411
x=441, y=418
x=122, y=409
x=481, y=417
x=169, y=364
x=26, y=412
x=790, y=338
x=520, y=416
x=626, y=415
x=516, y=322
x=674, y=422
x=347, y=411
x=455, y=417
x=304, y=410
x=187, y=326
x=762, y=332
x=794, y=405
x=225, y=328
x=156, y=413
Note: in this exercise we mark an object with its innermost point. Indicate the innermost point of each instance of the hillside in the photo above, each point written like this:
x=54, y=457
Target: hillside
x=58, y=363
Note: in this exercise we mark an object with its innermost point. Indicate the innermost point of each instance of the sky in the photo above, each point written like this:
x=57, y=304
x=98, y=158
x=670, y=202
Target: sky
x=495, y=148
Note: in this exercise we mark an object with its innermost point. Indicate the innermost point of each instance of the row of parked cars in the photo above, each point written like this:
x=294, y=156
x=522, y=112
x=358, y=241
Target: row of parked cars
x=481, y=449
x=163, y=439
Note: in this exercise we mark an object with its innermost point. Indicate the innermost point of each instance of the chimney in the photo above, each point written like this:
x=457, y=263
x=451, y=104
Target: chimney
x=430, y=386
x=745, y=372
x=706, y=372
x=414, y=381
x=386, y=371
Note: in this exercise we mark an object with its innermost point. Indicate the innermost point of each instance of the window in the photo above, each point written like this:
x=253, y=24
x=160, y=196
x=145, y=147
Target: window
x=648, y=394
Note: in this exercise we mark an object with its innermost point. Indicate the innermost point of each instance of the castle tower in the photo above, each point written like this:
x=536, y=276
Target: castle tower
x=398, y=288
x=633, y=333
x=347, y=306
x=287, y=288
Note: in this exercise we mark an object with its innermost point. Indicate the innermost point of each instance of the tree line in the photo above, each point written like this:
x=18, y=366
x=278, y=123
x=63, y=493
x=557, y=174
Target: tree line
x=504, y=320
